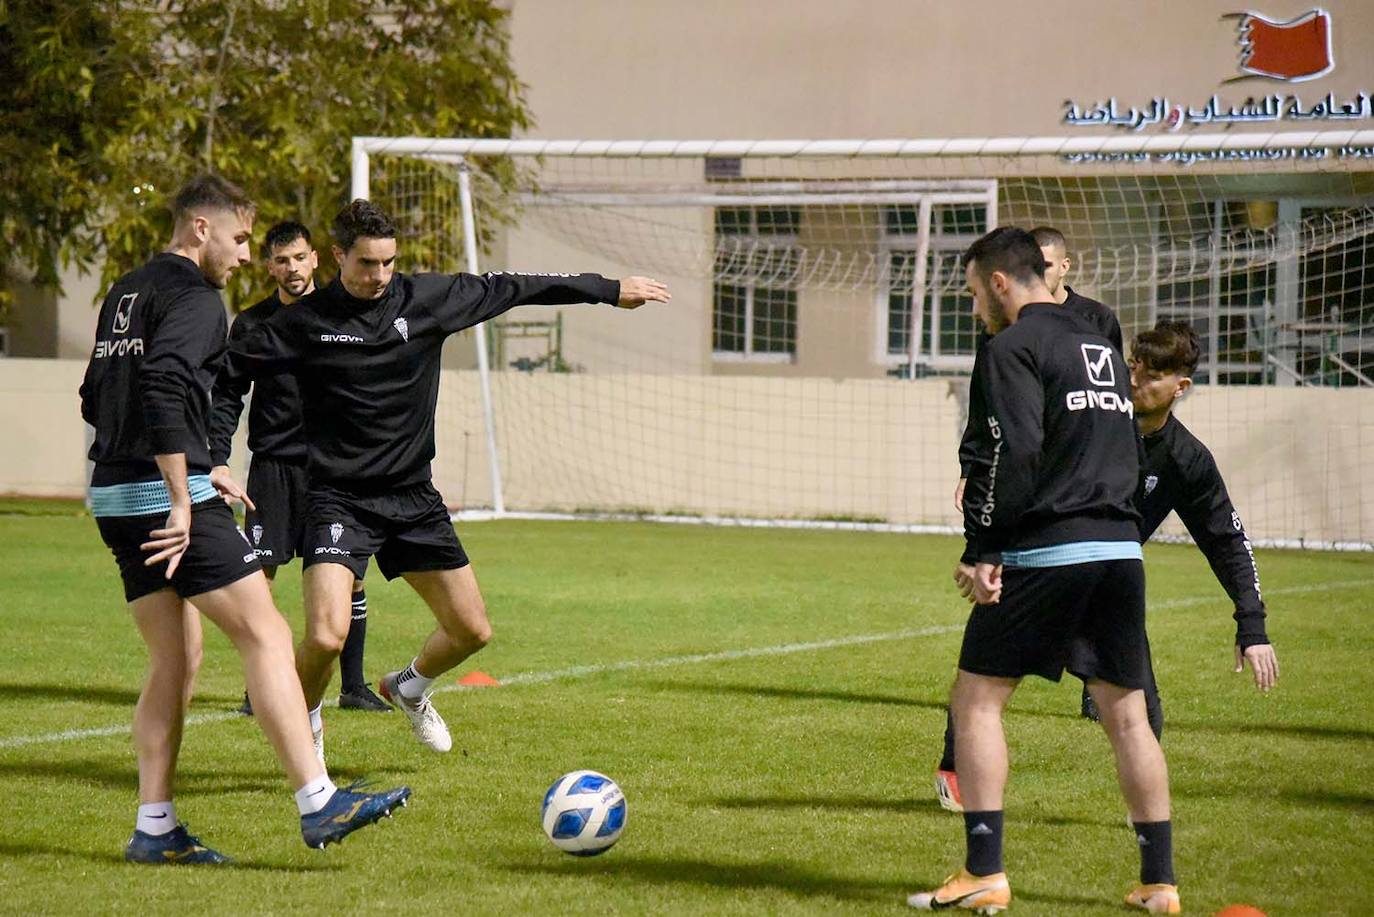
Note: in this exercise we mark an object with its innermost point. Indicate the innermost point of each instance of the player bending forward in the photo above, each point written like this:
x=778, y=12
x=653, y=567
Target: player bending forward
x=366, y=351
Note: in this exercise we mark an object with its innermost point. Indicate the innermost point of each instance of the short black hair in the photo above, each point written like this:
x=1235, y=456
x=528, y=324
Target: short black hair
x=1012, y=251
x=1168, y=347
x=283, y=233
x=362, y=218
x=210, y=191
x=1046, y=236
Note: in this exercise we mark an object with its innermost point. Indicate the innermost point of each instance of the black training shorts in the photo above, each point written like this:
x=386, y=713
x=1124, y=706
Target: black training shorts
x=1088, y=618
x=408, y=528
x=218, y=554
x=278, y=490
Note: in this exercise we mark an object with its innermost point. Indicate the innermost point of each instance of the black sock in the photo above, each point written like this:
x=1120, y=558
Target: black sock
x=983, y=832
x=947, y=757
x=351, y=658
x=1156, y=852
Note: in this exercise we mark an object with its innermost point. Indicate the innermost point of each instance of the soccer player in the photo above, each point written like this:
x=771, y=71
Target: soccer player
x=366, y=351
x=1178, y=475
x=159, y=340
x=1057, y=265
x=1052, y=535
x=277, y=480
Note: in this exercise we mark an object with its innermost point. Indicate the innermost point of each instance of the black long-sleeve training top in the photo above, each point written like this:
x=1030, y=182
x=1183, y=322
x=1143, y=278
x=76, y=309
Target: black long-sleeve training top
x=369, y=369
x=1055, y=457
x=275, y=425
x=1097, y=315
x=160, y=339
x=1180, y=474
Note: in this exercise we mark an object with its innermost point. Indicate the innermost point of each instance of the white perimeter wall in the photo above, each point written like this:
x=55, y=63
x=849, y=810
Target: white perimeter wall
x=810, y=447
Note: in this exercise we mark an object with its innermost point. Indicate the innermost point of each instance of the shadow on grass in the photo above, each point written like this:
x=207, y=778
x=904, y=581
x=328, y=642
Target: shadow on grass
x=90, y=694
x=785, y=877
x=121, y=775
x=110, y=695
x=1295, y=730
x=798, y=694
x=1302, y=798
x=843, y=696
x=18, y=849
x=849, y=803
x=900, y=805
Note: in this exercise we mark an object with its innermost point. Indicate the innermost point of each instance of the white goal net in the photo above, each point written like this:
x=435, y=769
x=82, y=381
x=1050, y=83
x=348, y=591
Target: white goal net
x=812, y=366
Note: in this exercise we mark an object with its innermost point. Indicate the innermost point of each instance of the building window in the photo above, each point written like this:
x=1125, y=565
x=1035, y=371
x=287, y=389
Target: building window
x=754, y=308
x=947, y=331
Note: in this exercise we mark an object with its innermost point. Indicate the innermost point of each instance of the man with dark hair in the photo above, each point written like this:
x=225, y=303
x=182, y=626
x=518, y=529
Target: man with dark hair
x=1057, y=266
x=1052, y=539
x=1178, y=475
x=276, y=437
x=162, y=512
x=1054, y=248
x=366, y=351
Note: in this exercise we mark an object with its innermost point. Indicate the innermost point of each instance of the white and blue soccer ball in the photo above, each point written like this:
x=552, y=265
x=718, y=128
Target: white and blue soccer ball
x=584, y=813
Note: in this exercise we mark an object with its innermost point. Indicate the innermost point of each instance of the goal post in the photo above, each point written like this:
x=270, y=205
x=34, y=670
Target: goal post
x=812, y=367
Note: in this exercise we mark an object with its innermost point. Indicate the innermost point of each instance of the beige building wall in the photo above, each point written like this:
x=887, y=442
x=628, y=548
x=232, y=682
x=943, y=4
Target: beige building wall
x=812, y=69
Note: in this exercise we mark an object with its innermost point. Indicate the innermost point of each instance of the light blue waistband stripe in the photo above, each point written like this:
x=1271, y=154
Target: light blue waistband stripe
x=1075, y=552
x=145, y=498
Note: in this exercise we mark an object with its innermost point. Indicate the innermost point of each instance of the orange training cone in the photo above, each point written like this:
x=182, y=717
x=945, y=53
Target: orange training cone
x=476, y=679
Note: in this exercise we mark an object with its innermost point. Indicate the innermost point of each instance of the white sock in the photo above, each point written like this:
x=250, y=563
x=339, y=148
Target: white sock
x=156, y=818
x=411, y=683
x=315, y=795
x=316, y=719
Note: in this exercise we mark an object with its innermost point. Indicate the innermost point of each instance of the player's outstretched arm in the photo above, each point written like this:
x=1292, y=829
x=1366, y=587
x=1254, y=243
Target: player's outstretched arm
x=636, y=291
x=1264, y=663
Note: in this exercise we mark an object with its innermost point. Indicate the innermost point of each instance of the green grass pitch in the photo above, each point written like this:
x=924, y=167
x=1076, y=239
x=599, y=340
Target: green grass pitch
x=790, y=780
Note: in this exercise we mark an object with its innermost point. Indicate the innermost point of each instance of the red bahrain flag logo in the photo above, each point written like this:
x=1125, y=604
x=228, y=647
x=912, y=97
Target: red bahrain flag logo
x=1296, y=50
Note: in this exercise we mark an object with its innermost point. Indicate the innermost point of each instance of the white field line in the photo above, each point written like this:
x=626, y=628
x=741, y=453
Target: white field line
x=539, y=678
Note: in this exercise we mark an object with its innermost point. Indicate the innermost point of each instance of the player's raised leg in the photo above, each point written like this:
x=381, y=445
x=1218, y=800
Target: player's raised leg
x=244, y=611
x=456, y=600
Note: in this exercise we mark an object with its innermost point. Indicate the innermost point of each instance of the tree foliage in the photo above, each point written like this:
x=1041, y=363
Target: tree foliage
x=113, y=103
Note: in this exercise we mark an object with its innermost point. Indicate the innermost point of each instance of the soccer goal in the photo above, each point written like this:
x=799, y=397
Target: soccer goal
x=812, y=367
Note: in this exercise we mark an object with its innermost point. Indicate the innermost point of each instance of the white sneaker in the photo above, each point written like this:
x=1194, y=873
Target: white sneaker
x=319, y=743
x=425, y=721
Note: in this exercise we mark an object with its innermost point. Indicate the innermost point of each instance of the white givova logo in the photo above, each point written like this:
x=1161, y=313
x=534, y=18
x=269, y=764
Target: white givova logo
x=124, y=312
x=1151, y=481
x=1098, y=360
x=257, y=534
x=401, y=326
x=335, y=532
